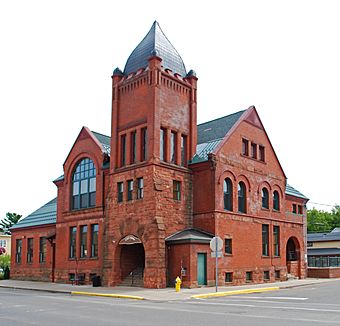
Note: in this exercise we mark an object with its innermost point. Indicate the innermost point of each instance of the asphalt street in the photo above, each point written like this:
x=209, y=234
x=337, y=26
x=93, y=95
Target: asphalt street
x=318, y=304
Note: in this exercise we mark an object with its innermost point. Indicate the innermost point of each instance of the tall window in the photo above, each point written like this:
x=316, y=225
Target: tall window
x=228, y=247
x=276, y=234
x=228, y=194
x=183, y=150
x=30, y=250
x=42, y=250
x=140, y=188
x=162, y=144
x=176, y=190
x=18, y=251
x=84, y=185
x=245, y=147
x=294, y=209
x=265, y=240
x=144, y=144
x=253, y=150
x=94, y=240
x=120, y=191
x=242, y=198
x=173, y=147
x=261, y=153
x=276, y=201
x=73, y=236
x=83, y=241
x=122, y=150
x=133, y=147
x=129, y=189
x=265, y=198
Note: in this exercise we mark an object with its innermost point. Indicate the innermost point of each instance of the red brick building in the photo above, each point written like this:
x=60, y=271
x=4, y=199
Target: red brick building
x=140, y=207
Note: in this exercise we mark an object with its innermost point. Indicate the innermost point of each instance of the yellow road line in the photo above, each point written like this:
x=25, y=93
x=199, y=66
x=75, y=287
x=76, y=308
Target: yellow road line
x=111, y=295
x=222, y=294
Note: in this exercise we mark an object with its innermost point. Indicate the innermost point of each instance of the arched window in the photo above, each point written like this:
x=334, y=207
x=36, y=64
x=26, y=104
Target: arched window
x=228, y=194
x=276, y=201
x=242, y=199
x=84, y=185
x=265, y=198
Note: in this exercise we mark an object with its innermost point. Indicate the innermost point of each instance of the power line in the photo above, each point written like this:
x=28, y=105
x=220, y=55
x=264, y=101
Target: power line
x=321, y=204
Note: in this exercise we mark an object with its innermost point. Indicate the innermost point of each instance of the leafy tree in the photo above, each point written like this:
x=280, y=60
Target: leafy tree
x=5, y=261
x=321, y=221
x=10, y=220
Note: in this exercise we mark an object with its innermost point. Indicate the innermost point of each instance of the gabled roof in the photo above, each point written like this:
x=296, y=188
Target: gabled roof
x=104, y=140
x=293, y=192
x=321, y=237
x=105, y=144
x=211, y=133
x=155, y=43
x=46, y=214
x=217, y=128
x=189, y=236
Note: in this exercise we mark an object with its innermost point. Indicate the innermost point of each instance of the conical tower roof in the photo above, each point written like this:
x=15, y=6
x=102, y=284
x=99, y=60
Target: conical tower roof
x=155, y=43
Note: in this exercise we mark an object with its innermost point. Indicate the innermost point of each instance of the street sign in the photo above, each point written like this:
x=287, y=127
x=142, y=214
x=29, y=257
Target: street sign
x=216, y=244
x=219, y=254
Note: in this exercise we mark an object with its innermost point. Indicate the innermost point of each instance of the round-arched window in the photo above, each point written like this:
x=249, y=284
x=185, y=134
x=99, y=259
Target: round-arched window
x=228, y=194
x=276, y=201
x=242, y=198
x=265, y=198
x=84, y=185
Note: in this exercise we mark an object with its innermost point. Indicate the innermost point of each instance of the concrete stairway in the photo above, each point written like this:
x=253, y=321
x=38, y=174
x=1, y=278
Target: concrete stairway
x=135, y=278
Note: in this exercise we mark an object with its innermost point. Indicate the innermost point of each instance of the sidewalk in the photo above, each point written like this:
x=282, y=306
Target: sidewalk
x=167, y=294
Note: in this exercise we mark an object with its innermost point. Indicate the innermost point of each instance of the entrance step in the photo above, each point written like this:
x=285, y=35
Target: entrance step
x=291, y=277
x=135, y=278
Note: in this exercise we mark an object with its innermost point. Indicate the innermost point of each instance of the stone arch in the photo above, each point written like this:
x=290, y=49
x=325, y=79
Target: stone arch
x=226, y=174
x=132, y=260
x=264, y=184
x=244, y=179
x=293, y=257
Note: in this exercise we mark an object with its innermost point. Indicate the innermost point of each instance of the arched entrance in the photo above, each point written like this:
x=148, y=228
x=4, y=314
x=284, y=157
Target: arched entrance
x=293, y=257
x=132, y=261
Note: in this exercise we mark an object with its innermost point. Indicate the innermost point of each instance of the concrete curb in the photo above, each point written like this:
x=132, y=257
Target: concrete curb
x=235, y=292
x=111, y=295
x=34, y=289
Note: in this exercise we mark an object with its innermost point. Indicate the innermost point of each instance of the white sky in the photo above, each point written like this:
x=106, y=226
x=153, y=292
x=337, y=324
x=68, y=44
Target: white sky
x=57, y=57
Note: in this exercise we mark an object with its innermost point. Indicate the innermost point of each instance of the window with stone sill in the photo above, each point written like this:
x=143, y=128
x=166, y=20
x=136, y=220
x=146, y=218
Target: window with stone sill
x=242, y=198
x=130, y=190
x=84, y=185
x=30, y=250
x=265, y=198
x=276, y=201
x=140, y=188
x=228, y=246
x=176, y=190
x=245, y=147
x=261, y=153
x=72, y=241
x=228, y=194
x=94, y=240
x=254, y=151
x=294, y=209
x=228, y=277
x=120, y=192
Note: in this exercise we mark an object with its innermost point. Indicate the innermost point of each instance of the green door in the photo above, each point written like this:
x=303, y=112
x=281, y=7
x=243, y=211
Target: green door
x=202, y=269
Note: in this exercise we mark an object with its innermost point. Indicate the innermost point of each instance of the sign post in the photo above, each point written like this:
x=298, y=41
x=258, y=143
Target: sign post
x=216, y=244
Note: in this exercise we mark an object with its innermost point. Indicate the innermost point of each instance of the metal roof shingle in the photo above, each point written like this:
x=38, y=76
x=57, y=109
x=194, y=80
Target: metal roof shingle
x=46, y=214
